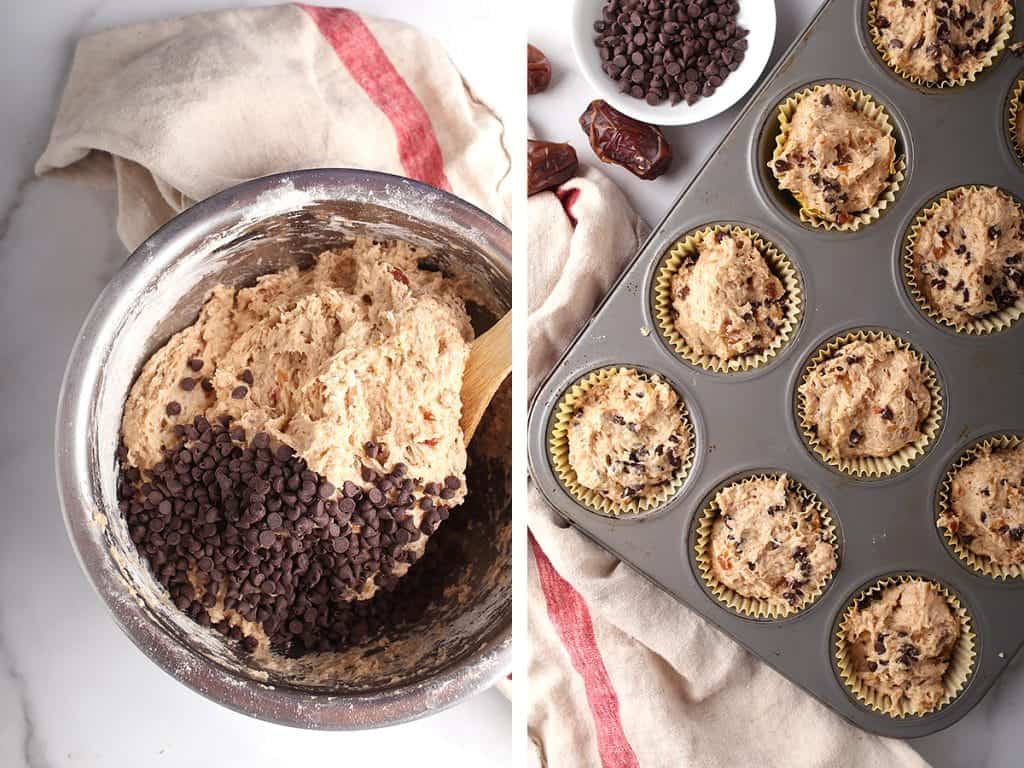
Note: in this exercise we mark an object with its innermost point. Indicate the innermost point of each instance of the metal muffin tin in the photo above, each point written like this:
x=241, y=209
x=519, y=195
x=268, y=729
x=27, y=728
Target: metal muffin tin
x=745, y=422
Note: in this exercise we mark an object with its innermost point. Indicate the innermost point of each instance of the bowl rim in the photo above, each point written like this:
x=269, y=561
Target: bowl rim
x=759, y=16
x=490, y=661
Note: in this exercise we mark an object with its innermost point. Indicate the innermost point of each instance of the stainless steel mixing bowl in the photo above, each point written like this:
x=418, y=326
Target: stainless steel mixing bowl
x=459, y=642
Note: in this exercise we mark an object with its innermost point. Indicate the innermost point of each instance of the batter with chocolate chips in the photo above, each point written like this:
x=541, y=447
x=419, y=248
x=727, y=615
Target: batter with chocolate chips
x=968, y=257
x=627, y=438
x=836, y=160
x=939, y=40
x=901, y=644
x=289, y=453
x=986, y=505
x=769, y=544
x=869, y=398
x=726, y=301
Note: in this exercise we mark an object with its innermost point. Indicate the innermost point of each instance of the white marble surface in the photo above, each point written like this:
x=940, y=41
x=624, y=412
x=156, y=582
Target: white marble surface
x=988, y=736
x=74, y=691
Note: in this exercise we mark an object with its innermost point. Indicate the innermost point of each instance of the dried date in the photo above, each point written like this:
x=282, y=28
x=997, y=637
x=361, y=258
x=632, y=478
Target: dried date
x=549, y=164
x=640, y=148
x=538, y=70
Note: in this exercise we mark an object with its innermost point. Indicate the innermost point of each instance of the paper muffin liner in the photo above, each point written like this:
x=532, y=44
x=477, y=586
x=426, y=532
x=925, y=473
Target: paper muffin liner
x=558, y=448
x=991, y=323
x=1012, y=117
x=871, y=466
x=752, y=607
x=977, y=563
x=1002, y=36
x=897, y=172
x=686, y=250
x=961, y=663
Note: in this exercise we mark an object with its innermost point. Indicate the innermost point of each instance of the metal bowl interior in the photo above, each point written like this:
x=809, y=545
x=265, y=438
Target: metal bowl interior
x=459, y=641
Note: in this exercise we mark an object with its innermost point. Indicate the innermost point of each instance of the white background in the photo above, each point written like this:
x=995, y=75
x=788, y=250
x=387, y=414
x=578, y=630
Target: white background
x=990, y=736
x=74, y=691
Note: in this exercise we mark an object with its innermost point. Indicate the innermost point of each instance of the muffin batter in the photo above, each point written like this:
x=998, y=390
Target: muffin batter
x=901, y=644
x=987, y=505
x=293, y=449
x=767, y=544
x=969, y=254
x=627, y=438
x=727, y=302
x=868, y=399
x=836, y=160
x=939, y=40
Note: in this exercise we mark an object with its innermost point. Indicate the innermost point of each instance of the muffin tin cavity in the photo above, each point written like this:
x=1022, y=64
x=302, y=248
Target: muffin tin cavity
x=885, y=43
x=800, y=596
x=676, y=453
x=961, y=658
x=685, y=252
x=773, y=135
x=957, y=544
x=1015, y=119
x=994, y=322
x=869, y=467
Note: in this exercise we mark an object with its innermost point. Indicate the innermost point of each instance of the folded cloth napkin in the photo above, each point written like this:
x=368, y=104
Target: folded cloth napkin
x=620, y=674
x=177, y=110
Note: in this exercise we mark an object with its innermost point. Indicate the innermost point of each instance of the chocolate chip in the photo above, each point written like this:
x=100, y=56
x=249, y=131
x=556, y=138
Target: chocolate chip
x=173, y=408
x=195, y=364
x=887, y=413
x=246, y=376
x=207, y=385
x=239, y=392
x=188, y=384
x=855, y=437
x=238, y=515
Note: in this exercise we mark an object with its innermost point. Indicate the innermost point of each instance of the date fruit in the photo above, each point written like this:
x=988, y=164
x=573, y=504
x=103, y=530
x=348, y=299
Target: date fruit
x=640, y=148
x=538, y=70
x=548, y=164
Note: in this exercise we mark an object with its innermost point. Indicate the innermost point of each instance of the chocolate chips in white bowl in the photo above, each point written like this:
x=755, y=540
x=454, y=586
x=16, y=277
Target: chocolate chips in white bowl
x=670, y=50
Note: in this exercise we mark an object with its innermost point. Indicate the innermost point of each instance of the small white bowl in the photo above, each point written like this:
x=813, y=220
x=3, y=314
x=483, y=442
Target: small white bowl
x=758, y=16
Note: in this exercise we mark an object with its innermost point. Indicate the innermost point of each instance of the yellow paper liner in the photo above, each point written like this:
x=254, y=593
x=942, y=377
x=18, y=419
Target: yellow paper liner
x=1002, y=36
x=558, y=448
x=887, y=197
x=977, y=563
x=753, y=607
x=961, y=662
x=980, y=326
x=1013, y=117
x=870, y=466
x=778, y=263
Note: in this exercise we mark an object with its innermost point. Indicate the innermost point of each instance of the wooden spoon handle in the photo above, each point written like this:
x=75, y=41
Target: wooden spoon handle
x=489, y=364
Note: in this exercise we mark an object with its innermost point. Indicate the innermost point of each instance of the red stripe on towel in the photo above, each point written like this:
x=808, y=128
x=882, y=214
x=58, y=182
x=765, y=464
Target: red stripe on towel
x=571, y=618
x=371, y=68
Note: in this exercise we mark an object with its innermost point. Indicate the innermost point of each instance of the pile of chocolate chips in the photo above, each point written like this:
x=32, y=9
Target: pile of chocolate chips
x=670, y=49
x=285, y=547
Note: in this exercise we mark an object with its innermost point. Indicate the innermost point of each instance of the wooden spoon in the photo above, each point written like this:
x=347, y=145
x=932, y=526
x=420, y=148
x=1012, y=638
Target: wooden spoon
x=489, y=364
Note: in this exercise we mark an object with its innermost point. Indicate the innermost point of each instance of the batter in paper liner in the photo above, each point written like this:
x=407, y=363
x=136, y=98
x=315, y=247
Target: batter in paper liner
x=969, y=254
x=836, y=159
x=938, y=40
x=901, y=644
x=362, y=348
x=868, y=399
x=627, y=437
x=726, y=301
x=769, y=544
x=986, y=505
